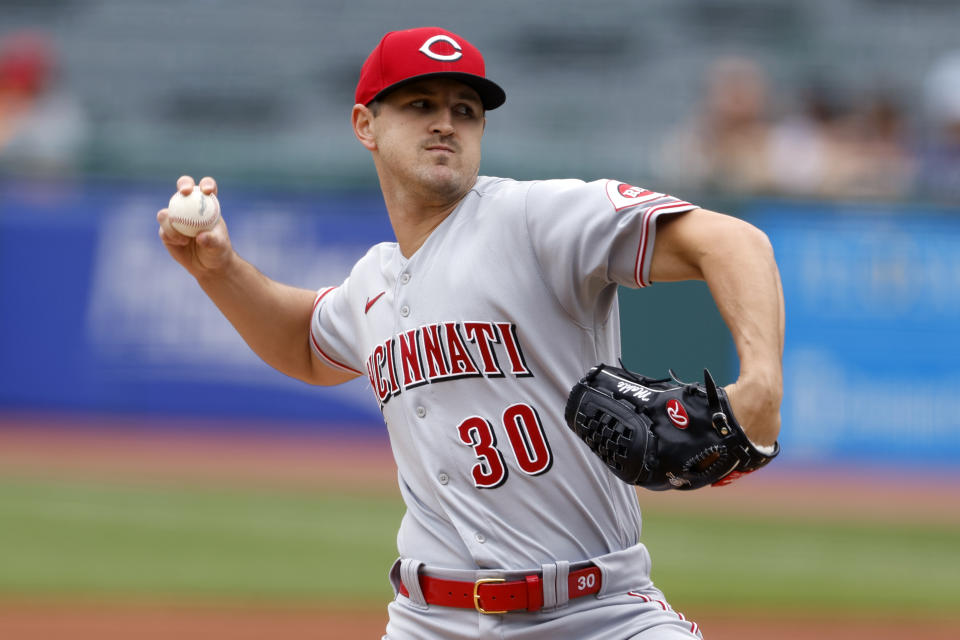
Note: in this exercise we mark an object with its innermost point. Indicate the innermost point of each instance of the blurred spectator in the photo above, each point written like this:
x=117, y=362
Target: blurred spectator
x=827, y=149
x=724, y=147
x=803, y=146
x=42, y=128
x=885, y=162
x=939, y=172
x=821, y=147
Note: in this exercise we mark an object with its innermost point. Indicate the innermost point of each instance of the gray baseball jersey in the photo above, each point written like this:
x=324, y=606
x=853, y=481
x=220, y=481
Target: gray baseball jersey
x=471, y=346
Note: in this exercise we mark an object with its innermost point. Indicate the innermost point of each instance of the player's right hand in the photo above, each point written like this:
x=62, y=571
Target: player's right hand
x=205, y=254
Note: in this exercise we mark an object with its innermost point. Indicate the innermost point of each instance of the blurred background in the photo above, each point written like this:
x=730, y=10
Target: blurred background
x=127, y=401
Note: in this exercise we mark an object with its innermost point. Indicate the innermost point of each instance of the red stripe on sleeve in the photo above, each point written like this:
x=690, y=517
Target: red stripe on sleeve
x=320, y=296
x=649, y=216
x=316, y=344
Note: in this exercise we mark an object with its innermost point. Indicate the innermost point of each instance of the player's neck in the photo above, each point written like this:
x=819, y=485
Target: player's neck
x=413, y=228
x=414, y=218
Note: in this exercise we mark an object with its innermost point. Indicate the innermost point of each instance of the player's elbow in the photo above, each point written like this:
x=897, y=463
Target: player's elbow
x=736, y=237
x=759, y=241
x=308, y=368
x=320, y=374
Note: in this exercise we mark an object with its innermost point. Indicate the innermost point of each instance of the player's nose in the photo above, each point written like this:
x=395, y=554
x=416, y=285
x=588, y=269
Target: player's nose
x=442, y=124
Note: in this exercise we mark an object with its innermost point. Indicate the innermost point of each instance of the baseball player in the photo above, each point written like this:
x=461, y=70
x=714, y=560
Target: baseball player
x=471, y=328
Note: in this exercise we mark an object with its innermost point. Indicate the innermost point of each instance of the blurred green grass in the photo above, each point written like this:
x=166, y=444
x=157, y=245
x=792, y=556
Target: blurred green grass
x=119, y=541
x=802, y=565
x=92, y=540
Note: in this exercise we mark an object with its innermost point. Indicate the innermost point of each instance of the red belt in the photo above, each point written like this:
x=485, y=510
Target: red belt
x=496, y=595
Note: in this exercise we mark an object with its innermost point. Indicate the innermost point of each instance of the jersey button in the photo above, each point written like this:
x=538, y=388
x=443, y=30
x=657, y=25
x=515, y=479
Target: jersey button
x=480, y=538
x=421, y=412
x=404, y=311
x=443, y=478
x=405, y=278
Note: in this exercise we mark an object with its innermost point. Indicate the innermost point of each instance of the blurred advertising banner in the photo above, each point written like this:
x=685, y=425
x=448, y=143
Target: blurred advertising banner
x=872, y=354
x=96, y=315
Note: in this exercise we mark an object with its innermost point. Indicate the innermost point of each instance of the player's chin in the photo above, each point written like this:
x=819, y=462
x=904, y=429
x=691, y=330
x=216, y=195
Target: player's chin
x=447, y=179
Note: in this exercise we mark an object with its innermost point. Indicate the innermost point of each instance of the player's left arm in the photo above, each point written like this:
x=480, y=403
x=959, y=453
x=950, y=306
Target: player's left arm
x=736, y=261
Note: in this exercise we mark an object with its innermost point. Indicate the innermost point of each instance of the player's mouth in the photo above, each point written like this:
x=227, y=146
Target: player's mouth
x=440, y=148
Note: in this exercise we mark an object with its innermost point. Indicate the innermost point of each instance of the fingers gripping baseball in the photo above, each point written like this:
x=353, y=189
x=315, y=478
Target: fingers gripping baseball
x=209, y=249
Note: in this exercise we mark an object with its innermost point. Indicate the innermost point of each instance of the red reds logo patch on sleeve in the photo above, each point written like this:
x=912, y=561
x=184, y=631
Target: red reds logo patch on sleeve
x=624, y=195
x=677, y=414
x=630, y=191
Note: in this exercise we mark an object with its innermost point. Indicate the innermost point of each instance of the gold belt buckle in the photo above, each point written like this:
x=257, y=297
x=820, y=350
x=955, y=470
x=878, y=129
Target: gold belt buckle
x=476, y=594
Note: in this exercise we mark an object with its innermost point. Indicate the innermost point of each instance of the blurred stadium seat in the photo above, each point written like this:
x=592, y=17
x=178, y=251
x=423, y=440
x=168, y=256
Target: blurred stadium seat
x=262, y=90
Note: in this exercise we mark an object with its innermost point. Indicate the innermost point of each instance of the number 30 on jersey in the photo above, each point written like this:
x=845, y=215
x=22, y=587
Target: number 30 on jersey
x=527, y=443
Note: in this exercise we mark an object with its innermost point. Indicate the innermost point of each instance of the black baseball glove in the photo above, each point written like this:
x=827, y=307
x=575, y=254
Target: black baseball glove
x=662, y=434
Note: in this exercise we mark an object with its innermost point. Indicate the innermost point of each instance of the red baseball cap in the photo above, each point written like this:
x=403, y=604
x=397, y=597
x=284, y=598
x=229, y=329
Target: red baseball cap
x=428, y=52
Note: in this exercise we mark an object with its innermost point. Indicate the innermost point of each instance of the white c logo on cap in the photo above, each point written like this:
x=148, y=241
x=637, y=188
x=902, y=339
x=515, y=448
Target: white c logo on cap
x=456, y=55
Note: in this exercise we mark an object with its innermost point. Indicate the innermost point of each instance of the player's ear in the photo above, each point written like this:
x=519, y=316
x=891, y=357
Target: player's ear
x=363, y=127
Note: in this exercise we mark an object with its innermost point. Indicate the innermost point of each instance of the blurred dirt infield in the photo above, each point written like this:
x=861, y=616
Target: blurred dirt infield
x=26, y=621
x=147, y=450
x=138, y=450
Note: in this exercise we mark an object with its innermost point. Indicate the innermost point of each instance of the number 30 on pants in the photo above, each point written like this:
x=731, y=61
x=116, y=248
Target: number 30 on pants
x=526, y=438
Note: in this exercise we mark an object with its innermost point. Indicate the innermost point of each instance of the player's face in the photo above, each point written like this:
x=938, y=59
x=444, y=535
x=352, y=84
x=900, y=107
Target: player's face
x=429, y=134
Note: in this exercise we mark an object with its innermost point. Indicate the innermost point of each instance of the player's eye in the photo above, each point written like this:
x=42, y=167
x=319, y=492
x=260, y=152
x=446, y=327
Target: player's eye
x=465, y=110
x=419, y=104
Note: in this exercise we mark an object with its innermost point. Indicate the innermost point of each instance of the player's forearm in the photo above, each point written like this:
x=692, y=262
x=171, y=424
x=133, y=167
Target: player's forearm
x=273, y=318
x=740, y=269
x=737, y=263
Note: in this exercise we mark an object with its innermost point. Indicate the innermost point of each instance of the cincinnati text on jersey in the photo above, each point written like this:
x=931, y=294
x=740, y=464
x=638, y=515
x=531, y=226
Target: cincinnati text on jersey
x=440, y=351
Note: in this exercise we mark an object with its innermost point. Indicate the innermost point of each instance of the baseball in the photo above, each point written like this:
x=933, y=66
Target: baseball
x=193, y=213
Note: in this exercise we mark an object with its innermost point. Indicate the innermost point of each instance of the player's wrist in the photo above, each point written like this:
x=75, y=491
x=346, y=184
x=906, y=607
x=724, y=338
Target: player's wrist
x=756, y=403
x=763, y=382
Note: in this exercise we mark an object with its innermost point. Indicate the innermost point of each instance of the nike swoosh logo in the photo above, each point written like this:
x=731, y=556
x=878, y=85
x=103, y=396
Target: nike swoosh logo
x=371, y=302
